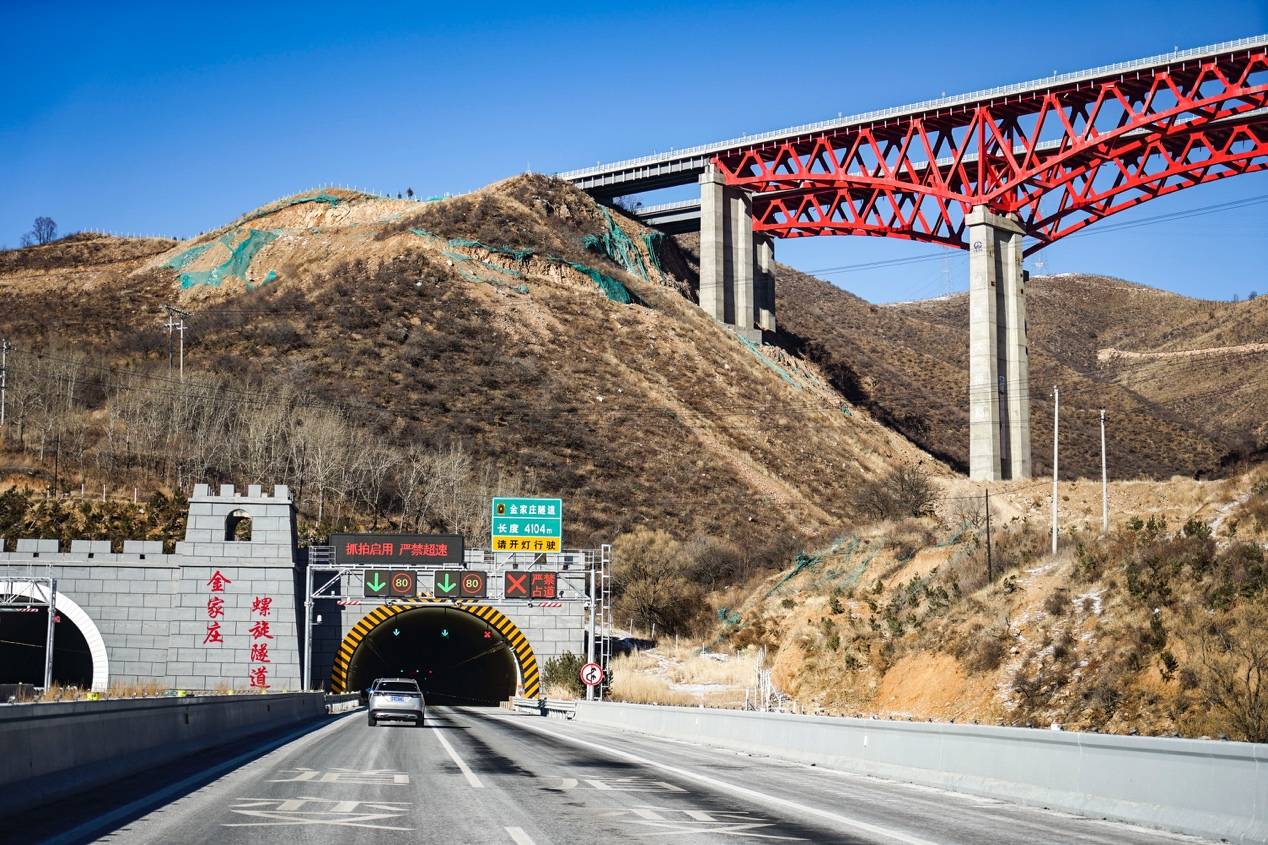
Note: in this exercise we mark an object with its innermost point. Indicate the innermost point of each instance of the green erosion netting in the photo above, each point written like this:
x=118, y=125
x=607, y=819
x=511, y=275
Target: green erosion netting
x=616, y=245
x=472, y=276
x=728, y=617
x=178, y=262
x=616, y=291
x=517, y=254
x=803, y=561
x=756, y=350
x=239, y=260
x=329, y=199
x=269, y=278
x=652, y=240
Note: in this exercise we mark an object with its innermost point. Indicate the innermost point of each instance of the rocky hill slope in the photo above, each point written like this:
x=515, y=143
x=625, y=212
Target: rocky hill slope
x=1181, y=379
x=361, y=348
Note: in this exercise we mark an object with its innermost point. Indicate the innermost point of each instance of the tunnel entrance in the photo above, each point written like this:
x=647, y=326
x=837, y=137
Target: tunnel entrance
x=22, y=650
x=456, y=656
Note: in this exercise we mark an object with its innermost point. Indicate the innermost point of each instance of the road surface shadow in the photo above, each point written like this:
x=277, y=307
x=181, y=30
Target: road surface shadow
x=60, y=817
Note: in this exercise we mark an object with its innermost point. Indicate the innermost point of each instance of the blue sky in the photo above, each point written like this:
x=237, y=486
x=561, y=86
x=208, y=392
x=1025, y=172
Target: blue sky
x=170, y=120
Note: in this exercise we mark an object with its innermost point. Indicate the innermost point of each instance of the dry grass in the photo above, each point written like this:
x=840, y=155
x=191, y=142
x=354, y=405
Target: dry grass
x=683, y=674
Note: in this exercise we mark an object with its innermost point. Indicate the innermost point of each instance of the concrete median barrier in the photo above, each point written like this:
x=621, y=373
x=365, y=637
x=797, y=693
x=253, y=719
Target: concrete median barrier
x=1202, y=787
x=54, y=750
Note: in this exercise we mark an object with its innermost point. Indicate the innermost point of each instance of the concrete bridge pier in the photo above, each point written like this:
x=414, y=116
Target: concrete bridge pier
x=764, y=281
x=730, y=261
x=999, y=363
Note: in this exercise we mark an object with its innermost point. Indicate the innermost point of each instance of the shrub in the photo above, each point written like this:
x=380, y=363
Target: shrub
x=986, y=650
x=905, y=491
x=1057, y=603
x=650, y=585
x=1232, y=669
x=564, y=671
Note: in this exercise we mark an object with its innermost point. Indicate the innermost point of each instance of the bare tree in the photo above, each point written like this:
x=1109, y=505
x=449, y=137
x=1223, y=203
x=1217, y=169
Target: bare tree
x=44, y=231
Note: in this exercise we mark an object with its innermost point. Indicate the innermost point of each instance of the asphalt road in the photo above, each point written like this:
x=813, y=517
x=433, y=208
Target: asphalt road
x=476, y=775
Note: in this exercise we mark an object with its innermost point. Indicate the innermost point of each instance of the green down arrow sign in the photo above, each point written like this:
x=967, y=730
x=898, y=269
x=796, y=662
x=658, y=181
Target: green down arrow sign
x=445, y=585
x=374, y=584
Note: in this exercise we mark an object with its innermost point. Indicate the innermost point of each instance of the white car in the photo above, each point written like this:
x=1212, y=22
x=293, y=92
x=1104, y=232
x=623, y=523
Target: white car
x=396, y=699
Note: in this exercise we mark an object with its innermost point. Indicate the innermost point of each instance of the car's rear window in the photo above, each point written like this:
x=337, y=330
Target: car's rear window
x=396, y=686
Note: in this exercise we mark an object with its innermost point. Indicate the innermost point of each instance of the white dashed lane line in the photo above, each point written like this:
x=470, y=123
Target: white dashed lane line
x=462, y=766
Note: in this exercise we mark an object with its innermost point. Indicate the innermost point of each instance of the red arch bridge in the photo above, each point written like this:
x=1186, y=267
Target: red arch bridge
x=1000, y=173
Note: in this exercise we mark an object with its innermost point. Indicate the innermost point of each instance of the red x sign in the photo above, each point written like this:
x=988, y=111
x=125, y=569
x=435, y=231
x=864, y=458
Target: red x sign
x=515, y=586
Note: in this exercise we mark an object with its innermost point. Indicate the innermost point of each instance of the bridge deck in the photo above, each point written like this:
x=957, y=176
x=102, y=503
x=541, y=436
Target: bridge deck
x=680, y=167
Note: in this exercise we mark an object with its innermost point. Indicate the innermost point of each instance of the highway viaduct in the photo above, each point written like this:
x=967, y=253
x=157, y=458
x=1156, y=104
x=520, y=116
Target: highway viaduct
x=999, y=173
x=227, y=610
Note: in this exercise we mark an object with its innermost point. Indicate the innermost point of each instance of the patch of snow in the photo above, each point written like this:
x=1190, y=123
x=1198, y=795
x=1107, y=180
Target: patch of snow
x=699, y=688
x=1095, y=596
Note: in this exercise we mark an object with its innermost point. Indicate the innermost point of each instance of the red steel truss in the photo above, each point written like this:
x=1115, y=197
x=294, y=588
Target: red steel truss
x=1059, y=158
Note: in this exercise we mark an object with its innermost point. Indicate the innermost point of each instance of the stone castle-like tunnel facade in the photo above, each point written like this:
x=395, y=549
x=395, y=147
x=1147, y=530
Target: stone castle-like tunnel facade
x=226, y=611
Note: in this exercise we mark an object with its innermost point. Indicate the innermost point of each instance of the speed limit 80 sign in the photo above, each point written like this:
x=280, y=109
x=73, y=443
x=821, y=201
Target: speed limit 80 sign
x=591, y=674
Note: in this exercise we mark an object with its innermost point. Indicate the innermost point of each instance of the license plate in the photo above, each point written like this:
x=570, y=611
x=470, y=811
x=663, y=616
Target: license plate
x=398, y=698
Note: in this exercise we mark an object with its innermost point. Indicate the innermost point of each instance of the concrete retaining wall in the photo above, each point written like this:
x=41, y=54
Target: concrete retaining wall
x=54, y=750
x=1206, y=788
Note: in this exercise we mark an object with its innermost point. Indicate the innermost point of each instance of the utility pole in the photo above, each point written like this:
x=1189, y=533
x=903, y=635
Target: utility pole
x=176, y=321
x=1056, y=428
x=990, y=566
x=4, y=374
x=57, y=460
x=1104, y=481
x=170, y=325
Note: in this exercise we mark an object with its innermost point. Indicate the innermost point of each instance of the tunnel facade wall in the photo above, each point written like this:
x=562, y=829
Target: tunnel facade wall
x=165, y=618
x=191, y=619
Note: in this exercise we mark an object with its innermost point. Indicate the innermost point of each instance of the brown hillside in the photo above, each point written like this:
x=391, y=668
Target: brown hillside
x=1187, y=414
x=480, y=321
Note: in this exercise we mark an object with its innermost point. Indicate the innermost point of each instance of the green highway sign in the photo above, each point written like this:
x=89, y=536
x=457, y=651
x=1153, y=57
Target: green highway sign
x=445, y=585
x=527, y=525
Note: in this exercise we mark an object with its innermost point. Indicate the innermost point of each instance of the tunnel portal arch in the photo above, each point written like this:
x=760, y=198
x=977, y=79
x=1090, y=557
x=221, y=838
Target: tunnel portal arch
x=69, y=608
x=521, y=649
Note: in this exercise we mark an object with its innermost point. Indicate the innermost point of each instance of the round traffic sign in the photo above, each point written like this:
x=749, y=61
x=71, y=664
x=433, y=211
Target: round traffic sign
x=591, y=674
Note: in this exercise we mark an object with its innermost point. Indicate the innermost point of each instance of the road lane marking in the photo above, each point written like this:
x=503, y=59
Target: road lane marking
x=723, y=786
x=666, y=821
x=368, y=777
x=308, y=810
x=453, y=755
x=519, y=837
x=153, y=800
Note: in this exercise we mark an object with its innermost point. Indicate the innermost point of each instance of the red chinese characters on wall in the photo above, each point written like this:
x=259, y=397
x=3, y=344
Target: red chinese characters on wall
x=258, y=670
x=215, y=607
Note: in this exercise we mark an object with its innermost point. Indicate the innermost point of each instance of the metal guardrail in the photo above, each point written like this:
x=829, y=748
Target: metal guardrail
x=545, y=706
x=338, y=703
x=924, y=105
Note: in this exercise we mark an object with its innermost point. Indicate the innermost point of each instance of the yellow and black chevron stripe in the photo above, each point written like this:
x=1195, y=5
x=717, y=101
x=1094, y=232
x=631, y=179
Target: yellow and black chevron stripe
x=524, y=656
